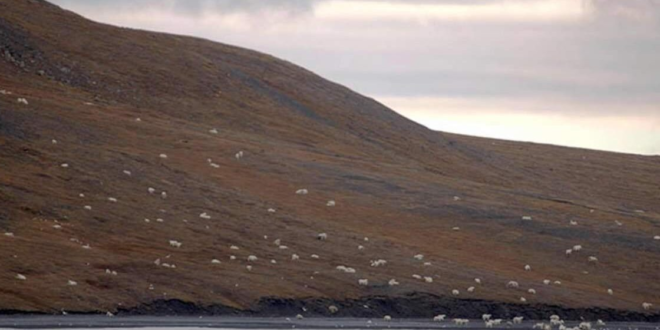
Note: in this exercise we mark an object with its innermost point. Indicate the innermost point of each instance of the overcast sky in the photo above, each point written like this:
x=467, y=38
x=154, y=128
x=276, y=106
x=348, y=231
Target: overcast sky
x=582, y=73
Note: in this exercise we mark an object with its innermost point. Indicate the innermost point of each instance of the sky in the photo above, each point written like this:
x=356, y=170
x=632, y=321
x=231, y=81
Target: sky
x=582, y=73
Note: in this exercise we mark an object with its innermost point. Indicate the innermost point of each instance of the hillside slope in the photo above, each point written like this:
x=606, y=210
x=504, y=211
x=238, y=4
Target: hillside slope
x=78, y=143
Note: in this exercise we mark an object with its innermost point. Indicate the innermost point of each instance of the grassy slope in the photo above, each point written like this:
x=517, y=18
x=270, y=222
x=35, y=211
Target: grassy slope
x=393, y=180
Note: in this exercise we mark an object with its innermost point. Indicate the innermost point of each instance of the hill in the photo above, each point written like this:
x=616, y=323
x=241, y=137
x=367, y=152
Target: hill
x=112, y=112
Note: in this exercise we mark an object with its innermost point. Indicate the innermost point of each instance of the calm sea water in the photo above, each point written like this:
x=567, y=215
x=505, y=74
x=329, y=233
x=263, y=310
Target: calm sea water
x=243, y=323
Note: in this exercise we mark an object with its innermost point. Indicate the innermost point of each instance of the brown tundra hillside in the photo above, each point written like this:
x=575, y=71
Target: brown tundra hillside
x=122, y=172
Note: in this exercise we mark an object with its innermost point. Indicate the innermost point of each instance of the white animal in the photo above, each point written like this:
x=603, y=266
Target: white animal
x=215, y=261
x=470, y=289
x=322, y=236
x=239, y=155
x=213, y=131
x=22, y=100
x=577, y=248
x=419, y=256
x=249, y=267
x=455, y=292
x=460, y=322
x=302, y=192
x=439, y=318
x=531, y=291
x=592, y=259
x=569, y=252
x=527, y=217
x=477, y=280
x=64, y=165
x=600, y=323
x=428, y=279
x=333, y=309
x=112, y=199
x=387, y=318
x=204, y=215
x=330, y=203
x=360, y=247
x=573, y=223
x=486, y=317
x=610, y=292
x=295, y=257
x=584, y=326
x=363, y=281
x=528, y=267
x=163, y=195
x=379, y=262
x=234, y=247
x=175, y=244
x=271, y=210
x=518, y=320
x=252, y=258
x=346, y=269
x=299, y=317
x=523, y=299
x=647, y=306
x=151, y=190
x=512, y=284
x=8, y=234
x=314, y=256
x=417, y=277
x=392, y=282
x=127, y=172
x=657, y=237
x=163, y=156
x=546, y=282
x=72, y=283
x=21, y=277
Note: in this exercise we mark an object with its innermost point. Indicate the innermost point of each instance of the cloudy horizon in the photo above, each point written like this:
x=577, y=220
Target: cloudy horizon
x=580, y=73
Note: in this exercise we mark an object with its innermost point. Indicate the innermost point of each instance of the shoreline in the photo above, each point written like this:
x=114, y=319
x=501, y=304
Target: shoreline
x=409, y=306
x=98, y=321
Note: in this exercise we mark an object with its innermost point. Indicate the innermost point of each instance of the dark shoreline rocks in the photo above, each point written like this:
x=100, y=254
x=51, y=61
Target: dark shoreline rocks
x=412, y=305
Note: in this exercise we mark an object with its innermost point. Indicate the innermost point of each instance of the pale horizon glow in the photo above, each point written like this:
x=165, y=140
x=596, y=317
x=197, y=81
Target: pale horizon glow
x=580, y=73
x=505, y=120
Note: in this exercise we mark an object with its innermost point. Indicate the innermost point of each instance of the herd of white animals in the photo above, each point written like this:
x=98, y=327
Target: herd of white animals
x=554, y=322
x=488, y=322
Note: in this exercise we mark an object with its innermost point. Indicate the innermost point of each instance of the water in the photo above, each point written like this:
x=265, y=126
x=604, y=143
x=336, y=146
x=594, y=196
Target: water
x=241, y=323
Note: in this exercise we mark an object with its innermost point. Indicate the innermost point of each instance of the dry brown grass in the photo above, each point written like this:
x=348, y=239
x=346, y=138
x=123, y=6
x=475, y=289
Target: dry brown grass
x=393, y=180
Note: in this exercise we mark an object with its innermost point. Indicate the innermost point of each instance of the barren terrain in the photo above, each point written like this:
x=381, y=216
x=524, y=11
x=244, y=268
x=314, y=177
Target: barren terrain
x=401, y=186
